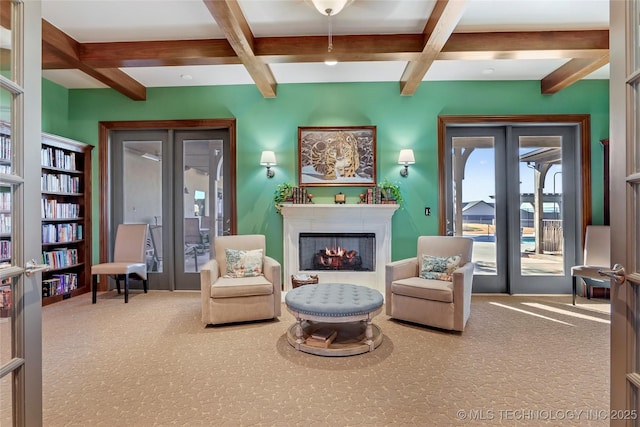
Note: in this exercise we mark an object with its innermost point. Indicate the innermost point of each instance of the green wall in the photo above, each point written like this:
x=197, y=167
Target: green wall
x=55, y=109
x=401, y=121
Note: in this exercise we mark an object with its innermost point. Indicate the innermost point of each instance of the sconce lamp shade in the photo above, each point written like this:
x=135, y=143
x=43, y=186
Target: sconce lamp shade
x=268, y=158
x=406, y=157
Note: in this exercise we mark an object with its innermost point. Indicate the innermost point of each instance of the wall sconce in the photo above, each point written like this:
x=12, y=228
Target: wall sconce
x=268, y=159
x=406, y=158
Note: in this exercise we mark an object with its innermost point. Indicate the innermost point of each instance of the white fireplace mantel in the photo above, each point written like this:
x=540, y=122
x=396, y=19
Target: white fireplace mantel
x=335, y=218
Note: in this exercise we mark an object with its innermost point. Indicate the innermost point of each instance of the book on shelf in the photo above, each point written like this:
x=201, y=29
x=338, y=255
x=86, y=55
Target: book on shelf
x=50, y=287
x=322, y=337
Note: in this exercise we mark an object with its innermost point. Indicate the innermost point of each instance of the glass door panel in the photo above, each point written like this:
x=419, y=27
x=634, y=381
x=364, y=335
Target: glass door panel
x=142, y=196
x=544, y=214
x=141, y=164
x=5, y=147
x=205, y=211
x=477, y=203
x=199, y=193
x=474, y=198
x=541, y=228
x=6, y=47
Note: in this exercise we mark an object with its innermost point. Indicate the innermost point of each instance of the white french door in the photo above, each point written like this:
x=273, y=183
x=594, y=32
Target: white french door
x=20, y=296
x=625, y=211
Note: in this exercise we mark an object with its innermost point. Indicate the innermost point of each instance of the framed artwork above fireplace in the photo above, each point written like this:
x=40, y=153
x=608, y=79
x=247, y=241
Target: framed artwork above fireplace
x=337, y=156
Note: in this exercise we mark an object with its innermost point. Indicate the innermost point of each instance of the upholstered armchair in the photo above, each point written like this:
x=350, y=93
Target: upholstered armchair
x=241, y=283
x=442, y=296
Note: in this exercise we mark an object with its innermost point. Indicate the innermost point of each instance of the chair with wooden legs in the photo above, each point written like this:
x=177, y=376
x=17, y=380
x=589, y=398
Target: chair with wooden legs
x=597, y=247
x=128, y=259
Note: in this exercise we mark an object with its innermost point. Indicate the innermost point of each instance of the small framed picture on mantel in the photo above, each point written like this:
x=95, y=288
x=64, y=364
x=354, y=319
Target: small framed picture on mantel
x=337, y=156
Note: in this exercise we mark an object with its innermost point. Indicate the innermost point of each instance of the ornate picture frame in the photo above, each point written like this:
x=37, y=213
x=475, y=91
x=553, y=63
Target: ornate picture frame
x=337, y=156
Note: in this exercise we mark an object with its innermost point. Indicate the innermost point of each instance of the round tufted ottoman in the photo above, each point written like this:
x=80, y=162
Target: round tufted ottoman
x=341, y=312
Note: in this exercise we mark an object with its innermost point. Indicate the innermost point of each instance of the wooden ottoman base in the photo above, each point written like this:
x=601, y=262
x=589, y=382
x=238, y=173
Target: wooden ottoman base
x=350, y=340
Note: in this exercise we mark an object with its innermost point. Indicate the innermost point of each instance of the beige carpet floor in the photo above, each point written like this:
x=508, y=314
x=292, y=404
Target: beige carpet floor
x=151, y=362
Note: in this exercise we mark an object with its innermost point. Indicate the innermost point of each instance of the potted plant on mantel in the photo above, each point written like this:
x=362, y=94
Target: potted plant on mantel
x=283, y=193
x=390, y=192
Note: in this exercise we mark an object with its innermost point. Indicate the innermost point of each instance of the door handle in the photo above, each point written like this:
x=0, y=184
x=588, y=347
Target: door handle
x=617, y=273
x=32, y=267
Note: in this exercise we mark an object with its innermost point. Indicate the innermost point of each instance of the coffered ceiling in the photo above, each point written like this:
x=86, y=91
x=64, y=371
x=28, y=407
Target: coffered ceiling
x=133, y=45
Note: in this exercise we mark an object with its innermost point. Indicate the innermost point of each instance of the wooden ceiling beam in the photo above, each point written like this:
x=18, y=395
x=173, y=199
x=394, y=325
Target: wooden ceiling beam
x=389, y=47
x=526, y=45
x=570, y=73
x=460, y=46
x=443, y=20
x=234, y=25
x=159, y=53
x=51, y=61
x=68, y=50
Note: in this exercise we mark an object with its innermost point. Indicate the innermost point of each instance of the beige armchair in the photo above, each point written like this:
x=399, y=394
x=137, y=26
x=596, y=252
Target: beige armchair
x=240, y=293
x=433, y=302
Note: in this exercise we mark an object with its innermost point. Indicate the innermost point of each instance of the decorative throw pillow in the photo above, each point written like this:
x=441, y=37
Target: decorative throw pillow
x=437, y=276
x=439, y=268
x=243, y=263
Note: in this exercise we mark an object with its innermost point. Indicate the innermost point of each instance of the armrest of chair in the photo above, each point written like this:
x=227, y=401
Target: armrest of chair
x=272, y=272
x=209, y=273
x=396, y=270
x=462, y=284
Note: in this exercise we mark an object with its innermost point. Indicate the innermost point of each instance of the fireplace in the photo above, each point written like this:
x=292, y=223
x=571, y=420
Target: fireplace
x=370, y=223
x=337, y=251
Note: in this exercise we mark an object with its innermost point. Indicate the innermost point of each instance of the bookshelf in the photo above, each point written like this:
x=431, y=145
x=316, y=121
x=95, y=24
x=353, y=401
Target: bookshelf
x=66, y=217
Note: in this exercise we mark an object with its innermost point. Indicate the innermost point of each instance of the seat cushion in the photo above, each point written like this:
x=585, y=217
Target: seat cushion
x=334, y=300
x=228, y=287
x=589, y=271
x=118, y=268
x=429, y=289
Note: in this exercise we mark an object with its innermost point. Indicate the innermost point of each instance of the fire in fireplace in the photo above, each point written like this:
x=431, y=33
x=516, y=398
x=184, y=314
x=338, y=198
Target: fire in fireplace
x=337, y=259
x=337, y=251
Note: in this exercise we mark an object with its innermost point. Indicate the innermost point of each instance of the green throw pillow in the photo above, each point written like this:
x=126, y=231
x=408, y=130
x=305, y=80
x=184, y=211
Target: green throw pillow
x=243, y=263
x=439, y=268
